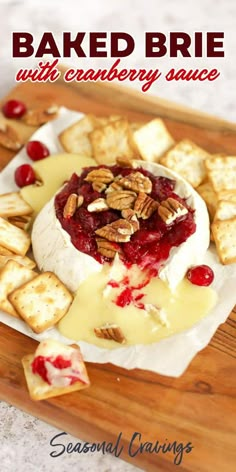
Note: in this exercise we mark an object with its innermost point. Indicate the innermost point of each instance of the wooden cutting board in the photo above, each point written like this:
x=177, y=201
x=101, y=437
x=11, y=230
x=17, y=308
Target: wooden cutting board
x=199, y=407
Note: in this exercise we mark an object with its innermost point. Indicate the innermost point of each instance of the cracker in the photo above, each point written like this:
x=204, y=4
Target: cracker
x=12, y=276
x=187, y=159
x=23, y=260
x=38, y=388
x=227, y=195
x=5, y=252
x=222, y=172
x=153, y=140
x=224, y=233
x=225, y=211
x=13, y=238
x=22, y=222
x=209, y=195
x=42, y=302
x=12, y=204
x=111, y=141
x=75, y=138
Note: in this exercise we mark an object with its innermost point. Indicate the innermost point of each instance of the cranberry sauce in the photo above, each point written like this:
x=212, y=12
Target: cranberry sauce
x=38, y=367
x=149, y=246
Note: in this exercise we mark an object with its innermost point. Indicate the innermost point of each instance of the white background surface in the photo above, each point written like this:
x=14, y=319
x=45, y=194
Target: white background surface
x=24, y=439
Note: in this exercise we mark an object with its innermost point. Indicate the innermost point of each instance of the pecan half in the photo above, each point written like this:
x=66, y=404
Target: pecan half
x=145, y=206
x=111, y=332
x=39, y=116
x=99, y=186
x=119, y=231
x=70, y=206
x=123, y=161
x=170, y=209
x=121, y=199
x=98, y=205
x=136, y=182
x=80, y=201
x=9, y=137
x=130, y=215
x=114, y=187
x=102, y=175
x=107, y=248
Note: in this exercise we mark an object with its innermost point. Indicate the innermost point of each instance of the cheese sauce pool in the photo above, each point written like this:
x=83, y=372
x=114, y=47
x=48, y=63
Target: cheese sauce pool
x=94, y=306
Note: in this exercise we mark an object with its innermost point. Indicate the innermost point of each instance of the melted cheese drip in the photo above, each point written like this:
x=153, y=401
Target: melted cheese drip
x=94, y=307
x=53, y=171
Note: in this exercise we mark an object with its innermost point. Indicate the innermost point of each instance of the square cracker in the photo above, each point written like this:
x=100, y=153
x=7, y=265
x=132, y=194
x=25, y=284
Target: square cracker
x=209, y=195
x=12, y=204
x=153, y=140
x=222, y=172
x=112, y=141
x=227, y=195
x=12, y=276
x=187, y=159
x=76, y=138
x=5, y=252
x=23, y=260
x=40, y=390
x=42, y=302
x=225, y=211
x=224, y=233
x=13, y=238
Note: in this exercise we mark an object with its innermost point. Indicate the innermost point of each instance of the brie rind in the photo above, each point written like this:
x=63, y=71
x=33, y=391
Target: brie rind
x=53, y=250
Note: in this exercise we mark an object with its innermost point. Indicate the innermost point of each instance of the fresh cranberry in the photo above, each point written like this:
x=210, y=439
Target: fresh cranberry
x=201, y=275
x=24, y=175
x=14, y=109
x=37, y=150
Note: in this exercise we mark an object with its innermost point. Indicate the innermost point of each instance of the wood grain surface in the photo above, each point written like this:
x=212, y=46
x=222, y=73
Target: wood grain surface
x=199, y=407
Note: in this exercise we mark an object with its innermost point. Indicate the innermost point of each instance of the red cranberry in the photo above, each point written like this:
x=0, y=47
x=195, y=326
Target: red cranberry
x=37, y=150
x=24, y=175
x=201, y=275
x=14, y=109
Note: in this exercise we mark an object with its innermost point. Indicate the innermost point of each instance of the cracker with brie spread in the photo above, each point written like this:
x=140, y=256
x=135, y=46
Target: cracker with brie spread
x=55, y=369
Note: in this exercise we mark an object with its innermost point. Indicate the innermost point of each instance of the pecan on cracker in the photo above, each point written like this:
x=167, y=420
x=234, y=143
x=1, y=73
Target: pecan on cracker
x=136, y=182
x=9, y=137
x=123, y=161
x=145, y=206
x=40, y=116
x=170, y=209
x=119, y=231
x=121, y=199
x=111, y=332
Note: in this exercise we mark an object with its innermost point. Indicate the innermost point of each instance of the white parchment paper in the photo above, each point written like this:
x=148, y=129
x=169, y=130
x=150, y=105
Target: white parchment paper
x=170, y=356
